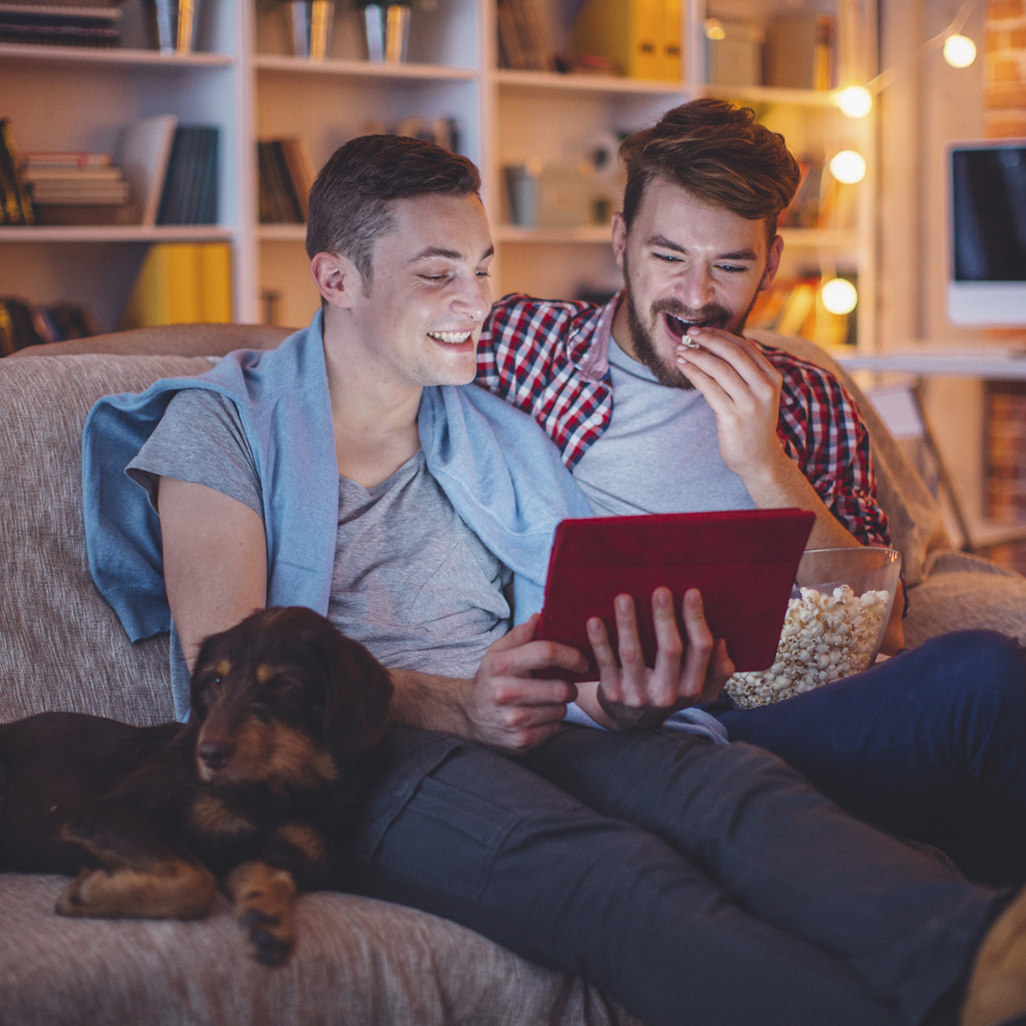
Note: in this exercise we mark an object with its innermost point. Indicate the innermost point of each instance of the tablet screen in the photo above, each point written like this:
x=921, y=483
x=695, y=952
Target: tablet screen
x=742, y=561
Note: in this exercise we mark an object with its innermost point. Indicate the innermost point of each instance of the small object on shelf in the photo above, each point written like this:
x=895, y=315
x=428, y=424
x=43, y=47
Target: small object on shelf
x=386, y=32
x=554, y=196
x=804, y=209
x=60, y=24
x=15, y=202
x=311, y=23
x=800, y=51
x=182, y=283
x=190, y=187
x=733, y=52
x=172, y=25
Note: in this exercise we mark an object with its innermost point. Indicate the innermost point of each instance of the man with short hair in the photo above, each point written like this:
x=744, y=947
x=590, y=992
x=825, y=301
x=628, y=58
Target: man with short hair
x=692, y=880
x=659, y=404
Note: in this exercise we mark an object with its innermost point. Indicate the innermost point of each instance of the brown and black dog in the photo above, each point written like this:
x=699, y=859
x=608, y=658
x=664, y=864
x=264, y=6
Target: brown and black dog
x=254, y=793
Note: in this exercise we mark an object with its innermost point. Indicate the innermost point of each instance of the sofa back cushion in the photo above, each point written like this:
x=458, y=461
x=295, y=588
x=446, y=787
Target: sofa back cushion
x=61, y=646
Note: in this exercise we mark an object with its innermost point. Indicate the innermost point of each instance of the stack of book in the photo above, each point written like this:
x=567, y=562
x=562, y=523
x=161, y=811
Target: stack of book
x=794, y=306
x=286, y=175
x=22, y=324
x=88, y=24
x=71, y=187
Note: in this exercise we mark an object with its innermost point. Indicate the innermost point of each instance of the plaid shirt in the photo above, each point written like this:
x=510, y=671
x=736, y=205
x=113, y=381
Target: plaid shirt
x=550, y=359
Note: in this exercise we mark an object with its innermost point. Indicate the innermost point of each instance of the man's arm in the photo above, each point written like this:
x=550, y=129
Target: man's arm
x=743, y=388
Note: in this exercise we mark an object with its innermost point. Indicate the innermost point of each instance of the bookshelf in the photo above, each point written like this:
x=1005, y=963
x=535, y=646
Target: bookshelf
x=243, y=78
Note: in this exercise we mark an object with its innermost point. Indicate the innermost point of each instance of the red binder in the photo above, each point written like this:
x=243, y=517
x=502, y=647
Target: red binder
x=742, y=561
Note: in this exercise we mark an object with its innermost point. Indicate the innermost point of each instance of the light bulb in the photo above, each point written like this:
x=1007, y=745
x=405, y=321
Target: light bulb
x=714, y=29
x=839, y=296
x=848, y=167
x=855, y=101
x=959, y=51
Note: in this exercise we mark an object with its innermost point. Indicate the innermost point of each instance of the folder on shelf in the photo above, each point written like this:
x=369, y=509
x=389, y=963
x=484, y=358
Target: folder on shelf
x=145, y=152
x=628, y=32
x=182, y=283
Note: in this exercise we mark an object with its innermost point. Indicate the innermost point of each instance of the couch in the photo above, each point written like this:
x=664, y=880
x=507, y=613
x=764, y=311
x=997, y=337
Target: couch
x=357, y=960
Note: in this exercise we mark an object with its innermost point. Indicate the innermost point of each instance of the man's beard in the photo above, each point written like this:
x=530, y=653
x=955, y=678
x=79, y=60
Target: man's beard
x=711, y=315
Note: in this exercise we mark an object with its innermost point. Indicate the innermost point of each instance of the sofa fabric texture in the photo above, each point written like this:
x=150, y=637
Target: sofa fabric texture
x=357, y=961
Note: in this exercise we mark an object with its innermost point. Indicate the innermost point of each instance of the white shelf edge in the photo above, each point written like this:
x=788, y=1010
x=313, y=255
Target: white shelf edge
x=772, y=94
x=586, y=83
x=281, y=232
x=359, y=69
x=590, y=234
x=112, y=56
x=116, y=233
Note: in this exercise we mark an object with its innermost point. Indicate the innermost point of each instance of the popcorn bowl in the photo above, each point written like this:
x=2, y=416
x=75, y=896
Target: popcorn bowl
x=835, y=622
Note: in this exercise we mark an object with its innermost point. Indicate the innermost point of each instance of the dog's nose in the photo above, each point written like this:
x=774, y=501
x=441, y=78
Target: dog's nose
x=215, y=754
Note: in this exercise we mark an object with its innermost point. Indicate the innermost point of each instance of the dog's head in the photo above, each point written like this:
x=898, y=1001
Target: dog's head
x=285, y=700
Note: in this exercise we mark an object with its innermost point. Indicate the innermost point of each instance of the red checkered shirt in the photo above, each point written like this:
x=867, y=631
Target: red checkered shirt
x=550, y=359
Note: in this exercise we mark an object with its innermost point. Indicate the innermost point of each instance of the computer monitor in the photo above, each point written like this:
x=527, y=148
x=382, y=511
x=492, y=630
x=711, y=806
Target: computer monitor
x=987, y=233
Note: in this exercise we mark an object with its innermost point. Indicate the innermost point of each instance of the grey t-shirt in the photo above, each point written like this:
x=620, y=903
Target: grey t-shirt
x=410, y=580
x=660, y=452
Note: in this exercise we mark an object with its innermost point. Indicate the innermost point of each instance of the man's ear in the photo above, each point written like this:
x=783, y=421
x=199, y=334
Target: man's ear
x=619, y=226
x=776, y=249
x=336, y=278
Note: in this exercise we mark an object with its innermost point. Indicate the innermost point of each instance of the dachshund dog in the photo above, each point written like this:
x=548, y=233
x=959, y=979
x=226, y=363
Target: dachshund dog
x=254, y=794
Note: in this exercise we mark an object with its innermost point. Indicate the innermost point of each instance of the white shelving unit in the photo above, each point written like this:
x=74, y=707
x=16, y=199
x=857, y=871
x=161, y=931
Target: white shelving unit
x=244, y=79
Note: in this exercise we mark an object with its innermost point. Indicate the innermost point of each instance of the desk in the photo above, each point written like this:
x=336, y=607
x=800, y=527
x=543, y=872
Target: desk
x=991, y=362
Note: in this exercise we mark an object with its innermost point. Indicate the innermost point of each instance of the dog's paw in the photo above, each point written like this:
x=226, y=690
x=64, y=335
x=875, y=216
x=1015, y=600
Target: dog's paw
x=74, y=899
x=170, y=890
x=265, y=901
x=269, y=942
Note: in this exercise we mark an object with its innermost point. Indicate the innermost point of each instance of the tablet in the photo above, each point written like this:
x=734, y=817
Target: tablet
x=742, y=561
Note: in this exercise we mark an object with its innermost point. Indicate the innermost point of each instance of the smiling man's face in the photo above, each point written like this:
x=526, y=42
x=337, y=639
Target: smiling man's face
x=686, y=262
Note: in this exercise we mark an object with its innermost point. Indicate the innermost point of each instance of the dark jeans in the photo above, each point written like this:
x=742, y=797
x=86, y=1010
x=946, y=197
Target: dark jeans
x=696, y=883
x=929, y=745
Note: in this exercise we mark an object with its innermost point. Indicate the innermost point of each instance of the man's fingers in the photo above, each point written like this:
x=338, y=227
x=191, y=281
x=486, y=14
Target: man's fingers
x=663, y=683
x=721, y=668
x=633, y=674
x=699, y=646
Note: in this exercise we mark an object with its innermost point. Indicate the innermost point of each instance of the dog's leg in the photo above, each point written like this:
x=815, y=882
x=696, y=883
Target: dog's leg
x=265, y=902
x=137, y=878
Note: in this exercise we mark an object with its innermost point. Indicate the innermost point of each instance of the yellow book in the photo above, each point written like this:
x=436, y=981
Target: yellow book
x=669, y=42
x=625, y=31
x=182, y=283
x=215, y=283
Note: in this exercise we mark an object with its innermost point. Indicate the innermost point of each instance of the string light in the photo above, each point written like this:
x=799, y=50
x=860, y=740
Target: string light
x=959, y=51
x=848, y=166
x=839, y=296
x=855, y=101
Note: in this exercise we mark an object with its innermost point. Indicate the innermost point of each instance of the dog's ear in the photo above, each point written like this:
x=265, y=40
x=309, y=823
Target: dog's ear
x=357, y=709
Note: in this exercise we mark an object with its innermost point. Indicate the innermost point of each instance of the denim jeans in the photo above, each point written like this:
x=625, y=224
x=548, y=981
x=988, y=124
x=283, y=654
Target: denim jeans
x=929, y=745
x=695, y=883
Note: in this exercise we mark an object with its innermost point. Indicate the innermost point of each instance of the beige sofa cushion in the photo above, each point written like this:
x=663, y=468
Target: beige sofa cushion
x=61, y=646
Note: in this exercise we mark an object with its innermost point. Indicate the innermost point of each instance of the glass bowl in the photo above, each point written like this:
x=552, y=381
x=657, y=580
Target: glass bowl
x=835, y=622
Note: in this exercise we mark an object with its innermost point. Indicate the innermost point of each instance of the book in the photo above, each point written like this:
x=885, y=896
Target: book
x=803, y=210
x=190, y=194
x=144, y=155
x=62, y=159
x=59, y=25
x=300, y=167
x=17, y=203
x=182, y=283
x=627, y=32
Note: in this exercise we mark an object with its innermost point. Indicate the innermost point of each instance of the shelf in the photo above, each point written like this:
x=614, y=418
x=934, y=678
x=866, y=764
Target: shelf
x=117, y=233
x=773, y=94
x=111, y=56
x=359, y=69
x=586, y=83
x=591, y=233
x=827, y=238
x=282, y=233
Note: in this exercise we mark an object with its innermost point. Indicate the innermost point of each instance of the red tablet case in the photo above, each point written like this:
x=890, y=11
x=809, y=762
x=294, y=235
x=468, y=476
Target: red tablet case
x=742, y=561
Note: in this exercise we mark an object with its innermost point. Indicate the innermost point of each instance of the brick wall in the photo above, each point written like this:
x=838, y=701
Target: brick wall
x=1005, y=118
